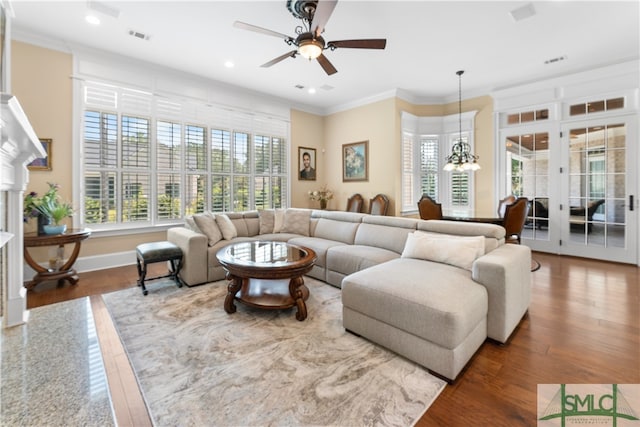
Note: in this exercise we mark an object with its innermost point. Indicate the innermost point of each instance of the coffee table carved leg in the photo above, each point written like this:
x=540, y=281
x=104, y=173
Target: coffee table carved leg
x=298, y=296
x=235, y=283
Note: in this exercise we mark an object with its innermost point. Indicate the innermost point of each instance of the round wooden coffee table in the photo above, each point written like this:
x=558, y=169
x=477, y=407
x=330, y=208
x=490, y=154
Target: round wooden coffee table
x=267, y=275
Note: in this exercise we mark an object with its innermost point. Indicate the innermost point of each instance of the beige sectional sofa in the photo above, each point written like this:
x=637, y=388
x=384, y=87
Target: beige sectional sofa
x=432, y=291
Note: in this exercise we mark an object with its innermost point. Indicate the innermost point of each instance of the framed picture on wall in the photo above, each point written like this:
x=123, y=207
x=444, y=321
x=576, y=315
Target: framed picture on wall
x=355, y=161
x=42, y=163
x=306, y=164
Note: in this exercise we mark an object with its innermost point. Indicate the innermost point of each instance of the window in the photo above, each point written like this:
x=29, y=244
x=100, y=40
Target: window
x=139, y=169
x=425, y=143
x=528, y=116
x=429, y=165
x=597, y=106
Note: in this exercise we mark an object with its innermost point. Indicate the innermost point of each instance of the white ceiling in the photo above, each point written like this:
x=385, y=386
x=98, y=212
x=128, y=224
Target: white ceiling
x=427, y=42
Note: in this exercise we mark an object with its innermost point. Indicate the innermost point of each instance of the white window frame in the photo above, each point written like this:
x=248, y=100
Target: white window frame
x=121, y=101
x=446, y=129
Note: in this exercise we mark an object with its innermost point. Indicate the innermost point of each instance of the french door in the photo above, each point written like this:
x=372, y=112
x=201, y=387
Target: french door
x=598, y=208
x=581, y=180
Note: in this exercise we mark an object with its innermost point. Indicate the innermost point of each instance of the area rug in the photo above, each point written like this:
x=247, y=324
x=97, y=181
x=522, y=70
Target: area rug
x=198, y=365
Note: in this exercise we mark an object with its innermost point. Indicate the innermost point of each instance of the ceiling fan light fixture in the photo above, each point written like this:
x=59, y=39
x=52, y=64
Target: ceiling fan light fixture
x=310, y=49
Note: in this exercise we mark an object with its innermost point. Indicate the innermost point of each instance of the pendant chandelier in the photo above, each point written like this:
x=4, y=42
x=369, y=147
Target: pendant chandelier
x=461, y=159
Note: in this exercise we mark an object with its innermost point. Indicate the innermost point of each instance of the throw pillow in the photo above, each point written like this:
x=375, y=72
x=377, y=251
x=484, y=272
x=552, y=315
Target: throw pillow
x=296, y=221
x=459, y=251
x=278, y=220
x=190, y=224
x=206, y=222
x=226, y=227
x=267, y=219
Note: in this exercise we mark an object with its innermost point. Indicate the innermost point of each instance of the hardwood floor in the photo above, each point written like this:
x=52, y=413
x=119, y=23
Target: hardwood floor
x=583, y=326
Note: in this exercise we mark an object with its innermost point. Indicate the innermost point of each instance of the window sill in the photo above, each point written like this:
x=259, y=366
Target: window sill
x=122, y=231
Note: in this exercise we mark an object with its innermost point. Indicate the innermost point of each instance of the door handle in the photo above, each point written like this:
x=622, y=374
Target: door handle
x=631, y=202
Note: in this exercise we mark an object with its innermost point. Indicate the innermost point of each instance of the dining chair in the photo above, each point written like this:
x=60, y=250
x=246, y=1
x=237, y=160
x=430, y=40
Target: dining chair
x=515, y=215
x=429, y=208
x=355, y=203
x=502, y=204
x=379, y=205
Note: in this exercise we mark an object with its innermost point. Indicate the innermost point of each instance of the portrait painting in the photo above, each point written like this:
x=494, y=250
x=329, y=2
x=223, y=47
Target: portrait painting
x=306, y=164
x=355, y=161
x=42, y=163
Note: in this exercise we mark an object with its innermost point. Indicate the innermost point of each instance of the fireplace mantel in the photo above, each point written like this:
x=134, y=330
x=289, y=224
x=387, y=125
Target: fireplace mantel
x=19, y=145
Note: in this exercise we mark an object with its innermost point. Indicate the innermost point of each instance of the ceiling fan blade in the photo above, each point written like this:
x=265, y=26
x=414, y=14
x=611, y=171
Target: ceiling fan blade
x=323, y=12
x=359, y=44
x=326, y=65
x=279, y=58
x=255, y=28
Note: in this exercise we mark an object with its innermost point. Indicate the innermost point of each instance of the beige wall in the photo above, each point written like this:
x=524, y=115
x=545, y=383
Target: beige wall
x=307, y=130
x=380, y=124
x=486, y=201
x=374, y=123
x=41, y=80
x=42, y=83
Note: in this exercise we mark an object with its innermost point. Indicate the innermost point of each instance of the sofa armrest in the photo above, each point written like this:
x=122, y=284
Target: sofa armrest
x=506, y=273
x=194, y=254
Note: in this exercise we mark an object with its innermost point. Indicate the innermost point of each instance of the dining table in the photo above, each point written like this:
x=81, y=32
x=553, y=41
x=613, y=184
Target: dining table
x=466, y=218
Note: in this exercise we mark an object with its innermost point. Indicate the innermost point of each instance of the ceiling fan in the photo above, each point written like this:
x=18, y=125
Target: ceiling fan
x=309, y=43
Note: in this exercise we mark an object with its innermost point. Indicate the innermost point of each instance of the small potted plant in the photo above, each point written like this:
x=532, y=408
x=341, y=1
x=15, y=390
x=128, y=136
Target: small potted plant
x=323, y=195
x=49, y=209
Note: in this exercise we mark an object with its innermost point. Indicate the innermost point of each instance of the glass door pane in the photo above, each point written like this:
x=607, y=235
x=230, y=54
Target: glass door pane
x=528, y=176
x=599, y=221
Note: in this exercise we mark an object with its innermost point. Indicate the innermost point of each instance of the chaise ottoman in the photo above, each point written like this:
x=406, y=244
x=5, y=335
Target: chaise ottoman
x=431, y=313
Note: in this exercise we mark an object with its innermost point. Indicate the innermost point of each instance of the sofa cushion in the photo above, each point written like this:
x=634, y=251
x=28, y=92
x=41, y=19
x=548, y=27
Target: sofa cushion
x=278, y=220
x=391, y=236
x=339, y=231
x=226, y=227
x=190, y=224
x=267, y=220
x=347, y=259
x=460, y=251
x=319, y=246
x=296, y=221
x=208, y=226
x=493, y=234
x=444, y=309
x=251, y=221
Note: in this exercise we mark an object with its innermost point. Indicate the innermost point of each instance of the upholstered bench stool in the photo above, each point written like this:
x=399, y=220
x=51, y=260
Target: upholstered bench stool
x=431, y=313
x=148, y=253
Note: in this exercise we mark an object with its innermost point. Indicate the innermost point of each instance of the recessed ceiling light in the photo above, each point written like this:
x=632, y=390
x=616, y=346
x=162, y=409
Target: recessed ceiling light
x=92, y=19
x=312, y=90
x=229, y=64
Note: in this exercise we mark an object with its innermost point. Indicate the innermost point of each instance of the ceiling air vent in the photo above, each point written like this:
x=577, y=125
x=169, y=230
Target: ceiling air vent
x=299, y=87
x=139, y=35
x=556, y=59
